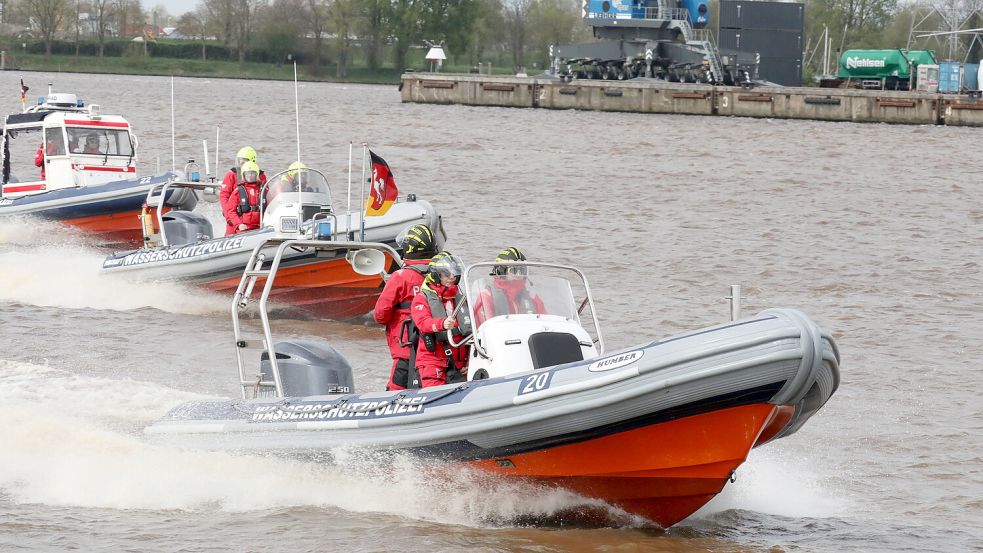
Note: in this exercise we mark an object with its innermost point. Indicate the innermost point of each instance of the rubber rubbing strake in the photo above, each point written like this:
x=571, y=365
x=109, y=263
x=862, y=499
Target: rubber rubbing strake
x=810, y=340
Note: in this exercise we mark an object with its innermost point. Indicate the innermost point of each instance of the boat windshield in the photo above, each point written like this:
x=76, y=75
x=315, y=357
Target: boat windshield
x=302, y=181
x=525, y=290
x=102, y=141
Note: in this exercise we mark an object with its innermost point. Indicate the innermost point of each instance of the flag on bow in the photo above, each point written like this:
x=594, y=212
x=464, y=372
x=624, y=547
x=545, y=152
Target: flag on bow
x=23, y=93
x=383, y=191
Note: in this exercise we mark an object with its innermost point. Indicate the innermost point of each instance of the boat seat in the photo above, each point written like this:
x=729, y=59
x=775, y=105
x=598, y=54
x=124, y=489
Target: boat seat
x=554, y=348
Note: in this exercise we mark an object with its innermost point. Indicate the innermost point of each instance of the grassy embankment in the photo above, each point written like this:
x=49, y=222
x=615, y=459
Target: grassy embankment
x=138, y=65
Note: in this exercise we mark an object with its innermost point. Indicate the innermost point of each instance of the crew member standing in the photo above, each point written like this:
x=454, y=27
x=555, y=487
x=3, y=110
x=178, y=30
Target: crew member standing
x=393, y=306
x=242, y=207
x=436, y=360
x=232, y=179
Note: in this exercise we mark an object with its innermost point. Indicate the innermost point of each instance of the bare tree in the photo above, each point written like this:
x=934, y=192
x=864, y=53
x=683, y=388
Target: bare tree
x=221, y=15
x=242, y=13
x=47, y=15
x=318, y=17
x=516, y=20
x=101, y=9
x=195, y=24
x=342, y=14
x=376, y=14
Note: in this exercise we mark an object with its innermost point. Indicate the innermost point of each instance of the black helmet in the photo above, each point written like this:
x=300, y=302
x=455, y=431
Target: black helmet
x=417, y=242
x=509, y=254
x=444, y=264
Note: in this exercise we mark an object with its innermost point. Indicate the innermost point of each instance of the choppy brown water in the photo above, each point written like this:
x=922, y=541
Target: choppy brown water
x=873, y=230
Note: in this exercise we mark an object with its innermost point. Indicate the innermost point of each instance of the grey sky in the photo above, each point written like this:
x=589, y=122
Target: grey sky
x=174, y=7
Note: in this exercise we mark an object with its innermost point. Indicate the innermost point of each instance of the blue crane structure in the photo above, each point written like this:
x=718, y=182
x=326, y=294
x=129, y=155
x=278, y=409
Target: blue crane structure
x=664, y=39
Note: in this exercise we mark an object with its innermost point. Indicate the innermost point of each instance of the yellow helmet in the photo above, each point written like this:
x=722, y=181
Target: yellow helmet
x=250, y=171
x=292, y=169
x=246, y=153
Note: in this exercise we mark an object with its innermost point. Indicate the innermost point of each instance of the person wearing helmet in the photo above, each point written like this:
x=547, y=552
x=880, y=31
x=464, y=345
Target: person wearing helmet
x=436, y=360
x=91, y=145
x=232, y=180
x=295, y=178
x=509, y=293
x=392, y=309
x=242, y=208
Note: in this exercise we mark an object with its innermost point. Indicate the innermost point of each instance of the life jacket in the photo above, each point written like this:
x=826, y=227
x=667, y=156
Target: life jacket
x=244, y=205
x=422, y=269
x=501, y=303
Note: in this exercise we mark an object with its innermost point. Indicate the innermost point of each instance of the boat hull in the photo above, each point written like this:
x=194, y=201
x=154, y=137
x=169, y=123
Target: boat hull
x=322, y=284
x=656, y=430
x=636, y=471
x=109, y=212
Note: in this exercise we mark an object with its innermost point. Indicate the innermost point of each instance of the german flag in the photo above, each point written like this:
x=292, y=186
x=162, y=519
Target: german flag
x=383, y=191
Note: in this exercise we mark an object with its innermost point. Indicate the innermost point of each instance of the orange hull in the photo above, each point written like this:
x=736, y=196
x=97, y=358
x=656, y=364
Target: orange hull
x=328, y=288
x=121, y=228
x=663, y=472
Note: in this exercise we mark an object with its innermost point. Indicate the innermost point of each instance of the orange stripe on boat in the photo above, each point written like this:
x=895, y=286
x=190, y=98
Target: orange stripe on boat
x=663, y=472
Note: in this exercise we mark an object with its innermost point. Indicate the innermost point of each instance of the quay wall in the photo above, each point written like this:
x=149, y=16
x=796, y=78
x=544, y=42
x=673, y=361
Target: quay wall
x=654, y=96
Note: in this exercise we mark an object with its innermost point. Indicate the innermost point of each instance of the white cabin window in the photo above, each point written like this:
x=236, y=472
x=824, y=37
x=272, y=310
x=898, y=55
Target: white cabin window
x=21, y=148
x=99, y=141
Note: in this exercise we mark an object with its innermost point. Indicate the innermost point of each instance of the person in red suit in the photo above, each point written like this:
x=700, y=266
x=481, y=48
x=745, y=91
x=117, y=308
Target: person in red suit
x=232, y=179
x=509, y=293
x=437, y=361
x=393, y=306
x=242, y=208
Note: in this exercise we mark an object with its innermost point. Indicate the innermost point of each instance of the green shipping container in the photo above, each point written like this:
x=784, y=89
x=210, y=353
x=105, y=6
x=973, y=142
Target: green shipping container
x=876, y=64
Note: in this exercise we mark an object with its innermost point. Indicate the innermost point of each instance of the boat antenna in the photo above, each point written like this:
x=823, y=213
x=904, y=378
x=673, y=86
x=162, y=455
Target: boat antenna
x=348, y=210
x=361, y=202
x=217, y=169
x=297, y=110
x=173, y=156
x=208, y=171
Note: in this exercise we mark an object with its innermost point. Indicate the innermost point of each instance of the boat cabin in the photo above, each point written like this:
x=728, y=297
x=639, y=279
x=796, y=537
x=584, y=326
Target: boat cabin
x=61, y=143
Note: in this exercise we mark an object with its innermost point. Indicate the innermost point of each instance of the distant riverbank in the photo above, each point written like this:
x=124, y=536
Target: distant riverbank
x=192, y=68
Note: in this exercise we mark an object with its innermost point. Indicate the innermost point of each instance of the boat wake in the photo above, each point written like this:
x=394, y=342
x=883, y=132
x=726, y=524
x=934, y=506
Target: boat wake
x=74, y=440
x=44, y=264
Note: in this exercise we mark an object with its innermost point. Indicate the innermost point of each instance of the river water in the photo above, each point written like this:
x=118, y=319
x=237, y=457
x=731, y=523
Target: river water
x=873, y=230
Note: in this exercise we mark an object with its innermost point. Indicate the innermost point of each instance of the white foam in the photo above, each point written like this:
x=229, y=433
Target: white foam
x=778, y=480
x=75, y=440
x=68, y=276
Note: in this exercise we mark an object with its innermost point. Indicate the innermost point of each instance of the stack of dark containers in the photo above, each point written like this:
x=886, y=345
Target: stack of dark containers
x=772, y=31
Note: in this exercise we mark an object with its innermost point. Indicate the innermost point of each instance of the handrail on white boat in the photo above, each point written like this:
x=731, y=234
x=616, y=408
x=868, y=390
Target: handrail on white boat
x=162, y=188
x=254, y=270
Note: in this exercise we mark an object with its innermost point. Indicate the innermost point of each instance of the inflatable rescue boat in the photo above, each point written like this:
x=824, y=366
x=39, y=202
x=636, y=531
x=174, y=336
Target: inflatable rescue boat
x=657, y=429
x=70, y=163
x=182, y=245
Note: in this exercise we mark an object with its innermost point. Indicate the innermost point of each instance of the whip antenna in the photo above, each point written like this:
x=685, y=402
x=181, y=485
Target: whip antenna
x=297, y=110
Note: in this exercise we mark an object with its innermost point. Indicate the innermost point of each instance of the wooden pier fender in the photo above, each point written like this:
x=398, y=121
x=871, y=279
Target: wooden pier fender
x=957, y=112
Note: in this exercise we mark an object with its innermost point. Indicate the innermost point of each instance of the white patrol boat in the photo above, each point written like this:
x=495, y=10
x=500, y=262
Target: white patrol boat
x=657, y=429
x=183, y=246
x=66, y=161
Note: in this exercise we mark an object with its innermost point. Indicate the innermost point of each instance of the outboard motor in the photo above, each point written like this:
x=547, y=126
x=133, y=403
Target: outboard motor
x=309, y=369
x=186, y=227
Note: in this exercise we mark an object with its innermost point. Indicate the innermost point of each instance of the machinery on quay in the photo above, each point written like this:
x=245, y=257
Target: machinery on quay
x=663, y=39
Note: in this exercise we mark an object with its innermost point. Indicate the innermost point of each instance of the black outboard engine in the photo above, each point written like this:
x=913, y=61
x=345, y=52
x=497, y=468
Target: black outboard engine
x=186, y=227
x=309, y=369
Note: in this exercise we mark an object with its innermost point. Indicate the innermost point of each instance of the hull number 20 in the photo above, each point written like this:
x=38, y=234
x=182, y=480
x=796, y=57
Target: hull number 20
x=535, y=383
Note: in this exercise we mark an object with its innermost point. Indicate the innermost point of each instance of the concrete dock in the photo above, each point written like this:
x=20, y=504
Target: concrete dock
x=657, y=96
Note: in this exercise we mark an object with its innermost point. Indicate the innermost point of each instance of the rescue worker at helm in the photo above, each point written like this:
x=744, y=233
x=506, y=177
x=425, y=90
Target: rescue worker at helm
x=294, y=179
x=232, y=179
x=436, y=360
x=393, y=306
x=242, y=209
x=509, y=293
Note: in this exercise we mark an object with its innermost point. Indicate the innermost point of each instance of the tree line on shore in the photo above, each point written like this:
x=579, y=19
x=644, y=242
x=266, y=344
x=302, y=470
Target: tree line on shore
x=327, y=34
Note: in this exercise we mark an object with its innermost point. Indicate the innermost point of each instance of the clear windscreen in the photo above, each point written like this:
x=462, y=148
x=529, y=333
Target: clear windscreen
x=513, y=294
x=293, y=181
